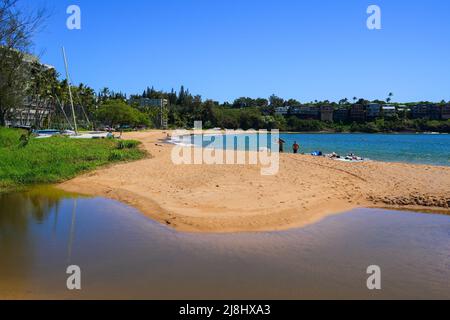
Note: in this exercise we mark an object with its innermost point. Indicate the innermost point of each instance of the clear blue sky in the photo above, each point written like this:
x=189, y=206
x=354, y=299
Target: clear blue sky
x=224, y=49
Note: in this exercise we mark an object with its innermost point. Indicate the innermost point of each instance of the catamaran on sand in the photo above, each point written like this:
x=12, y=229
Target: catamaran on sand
x=73, y=134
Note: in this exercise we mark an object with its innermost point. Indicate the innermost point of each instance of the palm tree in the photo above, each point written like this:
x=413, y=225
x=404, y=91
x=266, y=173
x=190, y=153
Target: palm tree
x=389, y=99
x=105, y=93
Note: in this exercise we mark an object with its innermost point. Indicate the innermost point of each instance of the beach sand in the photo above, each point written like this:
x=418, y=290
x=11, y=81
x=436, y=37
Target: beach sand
x=237, y=198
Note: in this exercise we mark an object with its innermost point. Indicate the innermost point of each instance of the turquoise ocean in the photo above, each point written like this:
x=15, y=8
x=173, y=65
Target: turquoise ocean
x=433, y=149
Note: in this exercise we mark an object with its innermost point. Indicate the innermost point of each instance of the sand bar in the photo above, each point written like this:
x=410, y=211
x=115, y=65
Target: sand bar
x=237, y=198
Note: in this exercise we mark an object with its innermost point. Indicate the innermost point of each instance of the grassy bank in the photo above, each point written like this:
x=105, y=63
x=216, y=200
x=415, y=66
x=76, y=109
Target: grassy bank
x=56, y=159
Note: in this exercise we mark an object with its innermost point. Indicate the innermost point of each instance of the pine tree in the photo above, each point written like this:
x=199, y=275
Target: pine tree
x=181, y=96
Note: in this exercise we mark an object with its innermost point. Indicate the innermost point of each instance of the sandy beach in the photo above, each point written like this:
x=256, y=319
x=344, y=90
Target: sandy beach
x=237, y=198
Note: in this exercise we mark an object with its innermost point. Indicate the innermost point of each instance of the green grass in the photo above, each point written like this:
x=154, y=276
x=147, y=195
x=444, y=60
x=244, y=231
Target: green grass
x=56, y=159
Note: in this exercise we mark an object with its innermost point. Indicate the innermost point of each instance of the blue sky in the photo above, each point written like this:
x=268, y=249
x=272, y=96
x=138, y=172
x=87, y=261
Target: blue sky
x=302, y=49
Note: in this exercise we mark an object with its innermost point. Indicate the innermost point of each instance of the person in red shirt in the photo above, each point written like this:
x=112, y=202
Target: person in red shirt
x=296, y=147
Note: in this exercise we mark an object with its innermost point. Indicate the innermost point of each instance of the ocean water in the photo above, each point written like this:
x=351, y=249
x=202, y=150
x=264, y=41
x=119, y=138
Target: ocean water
x=124, y=255
x=410, y=148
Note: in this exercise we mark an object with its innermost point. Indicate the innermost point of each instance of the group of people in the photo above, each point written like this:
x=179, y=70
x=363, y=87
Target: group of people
x=295, y=146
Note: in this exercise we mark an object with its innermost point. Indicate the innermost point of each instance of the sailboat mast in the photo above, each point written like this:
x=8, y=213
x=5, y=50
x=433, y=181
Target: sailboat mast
x=70, y=91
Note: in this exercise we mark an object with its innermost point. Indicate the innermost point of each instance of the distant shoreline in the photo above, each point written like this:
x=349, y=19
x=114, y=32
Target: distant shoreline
x=210, y=131
x=374, y=133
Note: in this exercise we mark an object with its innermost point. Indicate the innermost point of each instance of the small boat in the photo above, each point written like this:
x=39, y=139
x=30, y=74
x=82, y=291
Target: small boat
x=93, y=135
x=49, y=132
x=44, y=134
x=68, y=133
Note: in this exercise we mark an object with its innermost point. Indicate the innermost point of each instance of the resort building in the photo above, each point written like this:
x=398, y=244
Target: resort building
x=326, y=113
x=434, y=112
x=420, y=111
x=294, y=110
x=159, y=104
x=445, y=112
x=389, y=111
x=373, y=110
x=282, y=111
x=309, y=112
x=33, y=111
x=29, y=115
x=146, y=102
x=427, y=111
x=341, y=115
x=357, y=112
x=403, y=111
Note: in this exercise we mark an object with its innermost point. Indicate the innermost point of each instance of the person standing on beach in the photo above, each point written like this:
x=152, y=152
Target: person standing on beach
x=281, y=143
x=296, y=147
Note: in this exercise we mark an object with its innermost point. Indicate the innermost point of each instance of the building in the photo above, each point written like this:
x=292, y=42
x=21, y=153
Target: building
x=309, y=112
x=434, y=112
x=282, y=111
x=389, y=111
x=28, y=115
x=326, y=113
x=357, y=112
x=146, y=102
x=427, y=111
x=445, y=112
x=373, y=110
x=159, y=104
x=341, y=115
x=403, y=109
x=32, y=112
x=419, y=112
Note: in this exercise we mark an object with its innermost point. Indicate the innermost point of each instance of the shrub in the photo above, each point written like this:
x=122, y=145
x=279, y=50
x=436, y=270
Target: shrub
x=127, y=144
x=116, y=155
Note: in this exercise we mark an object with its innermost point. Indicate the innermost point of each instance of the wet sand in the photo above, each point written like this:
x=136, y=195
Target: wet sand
x=237, y=198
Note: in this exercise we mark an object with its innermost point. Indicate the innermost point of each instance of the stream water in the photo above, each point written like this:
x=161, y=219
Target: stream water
x=123, y=254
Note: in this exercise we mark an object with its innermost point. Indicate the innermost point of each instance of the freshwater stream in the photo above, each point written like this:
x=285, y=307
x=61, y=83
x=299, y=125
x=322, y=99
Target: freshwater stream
x=123, y=254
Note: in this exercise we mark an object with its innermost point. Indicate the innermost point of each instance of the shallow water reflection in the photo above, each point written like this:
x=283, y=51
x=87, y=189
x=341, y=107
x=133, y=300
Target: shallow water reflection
x=123, y=254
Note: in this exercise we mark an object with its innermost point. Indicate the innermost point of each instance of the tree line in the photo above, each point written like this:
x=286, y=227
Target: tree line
x=24, y=82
